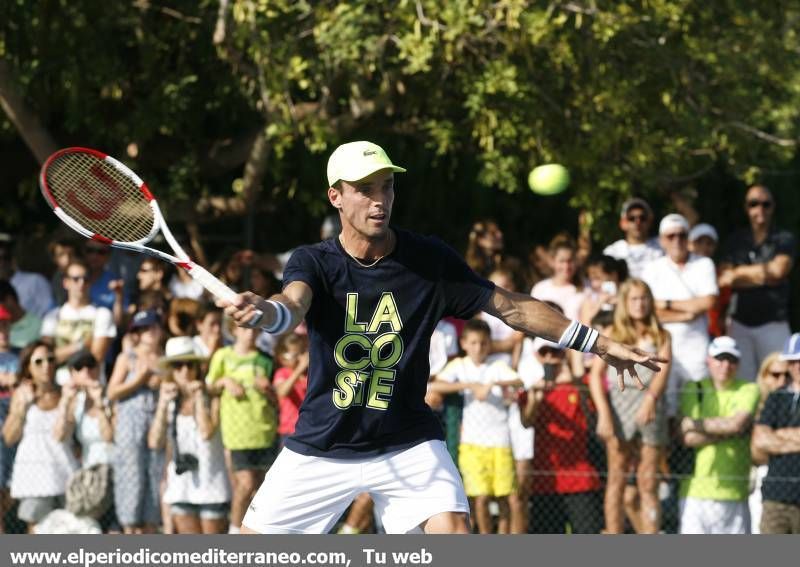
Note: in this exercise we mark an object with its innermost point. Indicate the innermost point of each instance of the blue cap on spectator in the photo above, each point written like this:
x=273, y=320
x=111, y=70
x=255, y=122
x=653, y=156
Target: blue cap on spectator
x=145, y=319
x=724, y=345
x=791, y=350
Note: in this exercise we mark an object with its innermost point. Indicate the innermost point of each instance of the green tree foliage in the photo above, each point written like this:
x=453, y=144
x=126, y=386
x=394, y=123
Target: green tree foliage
x=632, y=96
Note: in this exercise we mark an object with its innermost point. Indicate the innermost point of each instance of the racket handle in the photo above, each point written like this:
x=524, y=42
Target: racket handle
x=219, y=289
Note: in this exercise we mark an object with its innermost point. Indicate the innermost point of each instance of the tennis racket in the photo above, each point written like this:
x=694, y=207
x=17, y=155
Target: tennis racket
x=102, y=199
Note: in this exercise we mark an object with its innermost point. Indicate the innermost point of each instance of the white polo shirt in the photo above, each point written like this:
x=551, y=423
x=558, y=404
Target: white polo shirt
x=668, y=281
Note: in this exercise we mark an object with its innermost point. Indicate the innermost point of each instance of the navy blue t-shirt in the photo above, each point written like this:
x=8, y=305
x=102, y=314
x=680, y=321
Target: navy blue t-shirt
x=369, y=336
x=781, y=410
x=767, y=303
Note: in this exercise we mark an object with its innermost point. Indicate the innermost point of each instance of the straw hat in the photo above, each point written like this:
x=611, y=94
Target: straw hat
x=180, y=348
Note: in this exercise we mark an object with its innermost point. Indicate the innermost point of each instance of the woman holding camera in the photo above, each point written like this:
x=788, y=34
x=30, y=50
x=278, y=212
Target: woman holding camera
x=197, y=490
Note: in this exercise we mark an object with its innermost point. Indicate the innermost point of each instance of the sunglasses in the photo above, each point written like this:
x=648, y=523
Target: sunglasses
x=636, y=218
x=752, y=204
x=727, y=357
x=779, y=374
x=676, y=235
x=82, y=365
x=178, y=364
x=41, y=361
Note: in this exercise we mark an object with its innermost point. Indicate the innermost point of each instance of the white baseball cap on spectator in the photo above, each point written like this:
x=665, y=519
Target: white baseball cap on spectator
x=724, y=345
x=701, y=230
x=671, y=222
x=791, y=350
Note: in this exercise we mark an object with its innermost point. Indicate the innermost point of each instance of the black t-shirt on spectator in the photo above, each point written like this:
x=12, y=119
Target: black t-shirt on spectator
x=782, y=483
x=764, y=304
x=369, y=334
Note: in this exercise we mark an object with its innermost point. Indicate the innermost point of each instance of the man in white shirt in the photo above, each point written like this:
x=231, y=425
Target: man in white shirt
x=684, y=287
x=635, y=248
x=33, y=290
x=78, y=324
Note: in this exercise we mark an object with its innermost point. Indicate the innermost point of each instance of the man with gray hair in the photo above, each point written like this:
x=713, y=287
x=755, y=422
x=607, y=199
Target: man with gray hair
x=684, y=287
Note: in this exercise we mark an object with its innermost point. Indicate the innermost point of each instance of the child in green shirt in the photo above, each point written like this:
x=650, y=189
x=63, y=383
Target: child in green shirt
x=241, y=375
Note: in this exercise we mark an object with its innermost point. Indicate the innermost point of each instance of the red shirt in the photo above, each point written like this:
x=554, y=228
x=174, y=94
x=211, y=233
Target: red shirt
x=561, y=462
x=289, y=406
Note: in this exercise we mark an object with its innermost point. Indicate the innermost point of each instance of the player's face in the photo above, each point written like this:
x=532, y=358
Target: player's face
x=476, y=345
x=366, y=205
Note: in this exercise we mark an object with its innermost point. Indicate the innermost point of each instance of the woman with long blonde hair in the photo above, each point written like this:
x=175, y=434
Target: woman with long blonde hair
x=633, y=422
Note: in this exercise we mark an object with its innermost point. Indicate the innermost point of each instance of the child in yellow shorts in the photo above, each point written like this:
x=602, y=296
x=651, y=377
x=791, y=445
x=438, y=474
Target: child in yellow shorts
x=484, y=454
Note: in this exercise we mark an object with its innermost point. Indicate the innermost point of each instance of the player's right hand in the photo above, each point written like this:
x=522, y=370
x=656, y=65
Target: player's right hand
x=243, y=309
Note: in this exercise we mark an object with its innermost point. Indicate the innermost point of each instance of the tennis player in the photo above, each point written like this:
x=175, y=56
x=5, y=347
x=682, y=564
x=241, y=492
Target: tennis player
x=371, y=299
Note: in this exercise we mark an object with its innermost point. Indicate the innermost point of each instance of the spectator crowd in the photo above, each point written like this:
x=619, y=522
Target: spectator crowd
x=129, y=404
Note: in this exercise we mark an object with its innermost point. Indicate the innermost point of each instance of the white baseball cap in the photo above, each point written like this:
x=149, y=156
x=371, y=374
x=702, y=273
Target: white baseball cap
x=701, y=230
x=357, y=160
x=724, y=345
x=671, y=222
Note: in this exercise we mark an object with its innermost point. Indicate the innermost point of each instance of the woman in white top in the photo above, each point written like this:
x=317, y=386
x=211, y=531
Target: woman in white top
x=198, y=490
x=44, y=460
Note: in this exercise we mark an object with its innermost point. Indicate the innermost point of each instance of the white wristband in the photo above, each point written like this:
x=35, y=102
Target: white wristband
x=578, y=337
x=283, y=318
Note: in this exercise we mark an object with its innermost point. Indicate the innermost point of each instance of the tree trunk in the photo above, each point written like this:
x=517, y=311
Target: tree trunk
x=37, y=138
x=253, y=179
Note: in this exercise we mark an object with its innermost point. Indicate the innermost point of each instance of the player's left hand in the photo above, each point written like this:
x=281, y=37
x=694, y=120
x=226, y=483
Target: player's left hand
x=624, y=358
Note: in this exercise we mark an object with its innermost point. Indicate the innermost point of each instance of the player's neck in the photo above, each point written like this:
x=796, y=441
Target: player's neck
x=367, y=249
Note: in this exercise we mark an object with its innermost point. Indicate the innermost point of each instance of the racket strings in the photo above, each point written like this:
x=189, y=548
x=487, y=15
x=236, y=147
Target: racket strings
x=100, y=197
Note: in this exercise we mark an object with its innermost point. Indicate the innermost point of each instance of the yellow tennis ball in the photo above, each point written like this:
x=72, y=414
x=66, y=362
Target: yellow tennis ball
x=549, y=179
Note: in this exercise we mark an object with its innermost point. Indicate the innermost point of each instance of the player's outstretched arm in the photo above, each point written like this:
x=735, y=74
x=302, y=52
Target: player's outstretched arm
x=531, y=316
x=281, y=313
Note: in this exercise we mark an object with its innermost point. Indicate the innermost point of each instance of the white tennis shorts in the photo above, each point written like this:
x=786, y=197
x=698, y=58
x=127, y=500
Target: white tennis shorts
x=305, y=494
